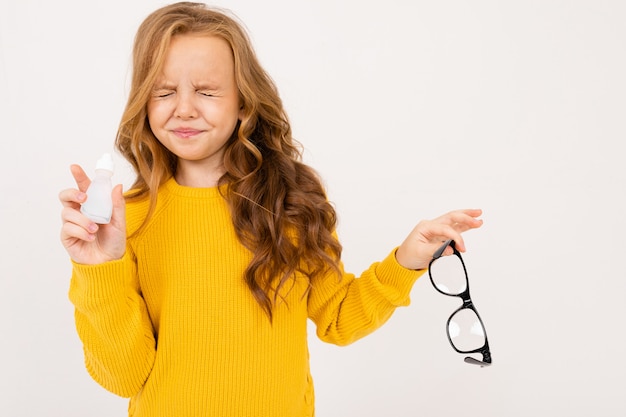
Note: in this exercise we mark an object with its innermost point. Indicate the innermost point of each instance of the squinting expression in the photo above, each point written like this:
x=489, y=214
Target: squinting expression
x=195, y=103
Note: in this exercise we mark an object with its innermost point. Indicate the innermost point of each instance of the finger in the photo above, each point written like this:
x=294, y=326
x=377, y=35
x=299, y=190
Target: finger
x=74, y=216
x=461, y=216
x=464, y=227
x=465, y=220
x=70, y=232
x=72, y=197
x=461, y=221
x=82, y=180
x=454, y=232
x=436, y=233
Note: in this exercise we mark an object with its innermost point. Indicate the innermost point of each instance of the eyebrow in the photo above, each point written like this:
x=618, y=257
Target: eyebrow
x=163, y=85
x=204, y=85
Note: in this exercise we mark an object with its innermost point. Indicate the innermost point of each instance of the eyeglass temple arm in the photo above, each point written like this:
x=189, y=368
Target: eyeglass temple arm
x=439, y=252
x=485, y=362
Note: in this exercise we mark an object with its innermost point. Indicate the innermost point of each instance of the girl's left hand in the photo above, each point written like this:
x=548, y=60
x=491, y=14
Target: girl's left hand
x=418, y=248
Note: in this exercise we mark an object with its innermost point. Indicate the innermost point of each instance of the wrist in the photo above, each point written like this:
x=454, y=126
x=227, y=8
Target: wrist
x=409, y=262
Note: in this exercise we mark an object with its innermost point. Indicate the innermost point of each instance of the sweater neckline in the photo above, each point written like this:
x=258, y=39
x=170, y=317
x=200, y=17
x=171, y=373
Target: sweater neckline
x=192, y=192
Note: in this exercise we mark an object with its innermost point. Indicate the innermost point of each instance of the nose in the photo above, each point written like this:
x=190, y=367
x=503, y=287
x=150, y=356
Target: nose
x=185, y=106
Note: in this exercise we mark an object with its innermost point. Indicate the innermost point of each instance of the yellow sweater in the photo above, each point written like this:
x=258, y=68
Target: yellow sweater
x=174, y=326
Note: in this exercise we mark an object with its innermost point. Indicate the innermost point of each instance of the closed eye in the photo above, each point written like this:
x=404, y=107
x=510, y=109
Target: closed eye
x=162, y=93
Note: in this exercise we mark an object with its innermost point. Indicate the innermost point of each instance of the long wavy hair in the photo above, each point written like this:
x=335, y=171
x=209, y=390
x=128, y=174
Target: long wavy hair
x=278, y=205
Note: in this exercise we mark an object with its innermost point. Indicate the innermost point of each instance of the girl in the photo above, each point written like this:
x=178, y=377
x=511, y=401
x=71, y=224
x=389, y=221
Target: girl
x=194, y=299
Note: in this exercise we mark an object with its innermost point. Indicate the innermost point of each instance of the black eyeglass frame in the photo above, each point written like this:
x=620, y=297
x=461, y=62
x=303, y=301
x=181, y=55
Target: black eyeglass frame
x=466, y=304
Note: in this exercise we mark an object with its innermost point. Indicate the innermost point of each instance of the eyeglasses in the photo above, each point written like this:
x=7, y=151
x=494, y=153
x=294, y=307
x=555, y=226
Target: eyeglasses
x=465, y=329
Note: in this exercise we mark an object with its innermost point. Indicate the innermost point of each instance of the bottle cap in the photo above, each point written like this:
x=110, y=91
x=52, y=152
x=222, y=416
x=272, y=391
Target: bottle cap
x=105, y=162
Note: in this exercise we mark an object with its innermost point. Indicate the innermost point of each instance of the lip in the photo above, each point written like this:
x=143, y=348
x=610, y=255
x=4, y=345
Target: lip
x=185, y=132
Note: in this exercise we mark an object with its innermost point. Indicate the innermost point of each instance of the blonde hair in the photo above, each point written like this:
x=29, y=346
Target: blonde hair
x=278, y=205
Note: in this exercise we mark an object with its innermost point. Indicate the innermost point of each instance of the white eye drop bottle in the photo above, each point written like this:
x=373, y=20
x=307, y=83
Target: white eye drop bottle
x=99, y=206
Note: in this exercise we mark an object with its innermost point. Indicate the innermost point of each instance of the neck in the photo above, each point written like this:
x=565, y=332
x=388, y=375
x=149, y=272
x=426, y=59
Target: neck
x=197, y=176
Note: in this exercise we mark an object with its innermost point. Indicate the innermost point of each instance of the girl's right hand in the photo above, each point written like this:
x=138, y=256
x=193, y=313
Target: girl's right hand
x=85, y=241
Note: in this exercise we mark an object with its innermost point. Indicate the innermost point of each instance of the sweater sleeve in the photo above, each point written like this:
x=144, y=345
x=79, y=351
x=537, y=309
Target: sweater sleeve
x=346, y=309
x=113, y=324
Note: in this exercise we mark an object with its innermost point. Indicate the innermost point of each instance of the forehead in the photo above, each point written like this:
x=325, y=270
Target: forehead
x=198, y=55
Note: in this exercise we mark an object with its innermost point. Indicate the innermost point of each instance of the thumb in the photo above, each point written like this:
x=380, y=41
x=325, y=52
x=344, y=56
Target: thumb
x=119, y=204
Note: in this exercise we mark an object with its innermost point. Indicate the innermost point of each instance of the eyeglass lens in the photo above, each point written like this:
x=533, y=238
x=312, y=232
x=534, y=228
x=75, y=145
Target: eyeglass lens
x=448, y=275
x=466, y=331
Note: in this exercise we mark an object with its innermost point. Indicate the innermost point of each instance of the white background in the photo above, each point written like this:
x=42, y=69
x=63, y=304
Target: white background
x=408, y=109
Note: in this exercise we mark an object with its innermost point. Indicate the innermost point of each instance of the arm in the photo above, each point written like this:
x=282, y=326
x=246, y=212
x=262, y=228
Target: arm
x=349, y=308
x=346, y=308
x=113, y=323
x=111, y=316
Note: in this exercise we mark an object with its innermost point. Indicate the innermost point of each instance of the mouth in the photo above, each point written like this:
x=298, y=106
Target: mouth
x=186, y=133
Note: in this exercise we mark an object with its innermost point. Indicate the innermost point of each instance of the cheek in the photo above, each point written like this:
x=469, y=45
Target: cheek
x=219, y=114
x=156, y=120
x=157, y=114
x=151, y=113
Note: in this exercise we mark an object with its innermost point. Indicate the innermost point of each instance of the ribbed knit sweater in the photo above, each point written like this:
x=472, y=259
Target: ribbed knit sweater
x=173, y=325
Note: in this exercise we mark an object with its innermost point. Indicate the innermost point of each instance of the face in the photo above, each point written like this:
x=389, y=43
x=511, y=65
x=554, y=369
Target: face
x=195, y=103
